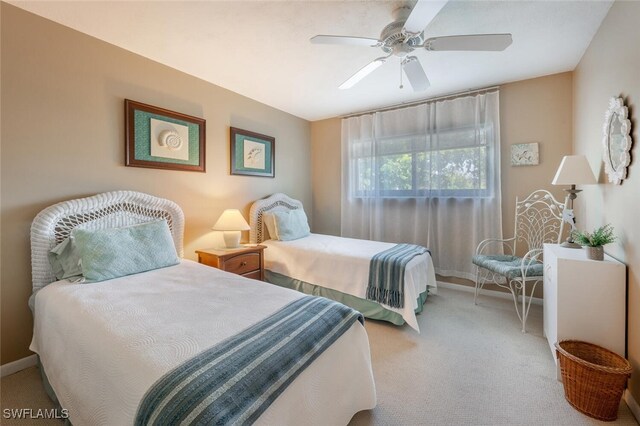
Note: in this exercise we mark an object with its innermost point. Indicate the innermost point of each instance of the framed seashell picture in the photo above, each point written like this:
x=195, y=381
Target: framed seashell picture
x=252, y=154
x=161, y=139
x=525, y=154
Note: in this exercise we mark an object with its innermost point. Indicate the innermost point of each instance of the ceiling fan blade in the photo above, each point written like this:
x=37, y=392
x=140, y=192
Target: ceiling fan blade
x=362, y=73
x=477, y=42
x=344, y=40
x=415, y=73
x=422, y=14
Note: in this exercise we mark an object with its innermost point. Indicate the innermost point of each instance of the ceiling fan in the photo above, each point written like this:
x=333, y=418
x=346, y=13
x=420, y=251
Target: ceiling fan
x=406, y=34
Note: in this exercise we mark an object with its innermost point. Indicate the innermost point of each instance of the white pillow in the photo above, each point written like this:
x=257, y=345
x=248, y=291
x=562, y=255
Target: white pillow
x=269, y=221
x=291, y=224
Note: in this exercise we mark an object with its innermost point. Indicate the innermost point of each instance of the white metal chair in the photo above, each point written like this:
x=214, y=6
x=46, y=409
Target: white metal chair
x=538, y=220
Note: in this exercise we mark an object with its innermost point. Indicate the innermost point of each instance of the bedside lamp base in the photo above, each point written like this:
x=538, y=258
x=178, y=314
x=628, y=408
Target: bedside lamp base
x=232, y=239
x=570, y=244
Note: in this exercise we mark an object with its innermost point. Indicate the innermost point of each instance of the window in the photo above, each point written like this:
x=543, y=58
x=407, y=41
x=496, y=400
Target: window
x=425, y=174
x=452, y=164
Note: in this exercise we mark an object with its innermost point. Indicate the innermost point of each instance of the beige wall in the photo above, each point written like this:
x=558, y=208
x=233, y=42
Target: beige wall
x=611, y=67
x=62, y=137
x=536, y=110
x=326, y=175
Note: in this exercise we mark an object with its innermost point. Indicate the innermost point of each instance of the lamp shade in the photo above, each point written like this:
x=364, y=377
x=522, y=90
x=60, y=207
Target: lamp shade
x=231, y=220
x=574, y=170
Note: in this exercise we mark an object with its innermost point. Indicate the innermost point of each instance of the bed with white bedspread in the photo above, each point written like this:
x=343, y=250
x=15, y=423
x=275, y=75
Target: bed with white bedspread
x=104, y=345
x=337, y=267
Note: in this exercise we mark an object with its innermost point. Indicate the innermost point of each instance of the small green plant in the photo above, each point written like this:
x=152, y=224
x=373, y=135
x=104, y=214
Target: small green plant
x=599, y=237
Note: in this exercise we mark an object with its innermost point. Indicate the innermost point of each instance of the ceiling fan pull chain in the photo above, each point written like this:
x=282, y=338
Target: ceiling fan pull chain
x=401, y=86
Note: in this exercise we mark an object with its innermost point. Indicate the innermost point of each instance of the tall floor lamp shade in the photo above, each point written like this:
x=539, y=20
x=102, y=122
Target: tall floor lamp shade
x=574, y=170
x=231, y=222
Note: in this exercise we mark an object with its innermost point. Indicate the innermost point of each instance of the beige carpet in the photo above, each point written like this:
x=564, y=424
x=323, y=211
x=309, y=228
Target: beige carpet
x=469, y=366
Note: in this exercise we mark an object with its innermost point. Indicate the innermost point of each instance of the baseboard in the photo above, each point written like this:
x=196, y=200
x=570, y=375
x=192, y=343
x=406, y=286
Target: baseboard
x=19, y=365
x=483, y=292
x=633, y=405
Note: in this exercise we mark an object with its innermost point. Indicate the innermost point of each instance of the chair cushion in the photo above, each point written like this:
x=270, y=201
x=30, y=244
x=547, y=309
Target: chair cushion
x=507, y=265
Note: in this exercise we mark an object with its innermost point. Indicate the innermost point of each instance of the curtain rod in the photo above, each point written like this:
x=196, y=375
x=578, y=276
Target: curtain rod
x=423, y=101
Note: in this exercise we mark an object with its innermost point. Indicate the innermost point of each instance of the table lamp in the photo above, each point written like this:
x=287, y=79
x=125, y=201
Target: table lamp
x=574, y=170
x=231, y=222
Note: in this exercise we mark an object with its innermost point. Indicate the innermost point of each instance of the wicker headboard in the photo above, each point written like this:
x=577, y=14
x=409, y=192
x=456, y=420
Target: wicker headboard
x=107, y=210
x=274, y=202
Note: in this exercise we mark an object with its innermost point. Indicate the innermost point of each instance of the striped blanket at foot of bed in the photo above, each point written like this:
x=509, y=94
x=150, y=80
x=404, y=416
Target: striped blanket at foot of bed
x=235, y=381
x=386, y=274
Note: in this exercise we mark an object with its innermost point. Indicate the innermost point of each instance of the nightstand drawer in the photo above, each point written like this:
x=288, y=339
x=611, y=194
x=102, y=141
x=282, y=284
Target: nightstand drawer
x=255, y=275
x=243, y=263
x=247, y=261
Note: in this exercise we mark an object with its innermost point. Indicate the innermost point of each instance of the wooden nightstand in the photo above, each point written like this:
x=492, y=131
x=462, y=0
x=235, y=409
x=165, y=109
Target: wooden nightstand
x=245, y=261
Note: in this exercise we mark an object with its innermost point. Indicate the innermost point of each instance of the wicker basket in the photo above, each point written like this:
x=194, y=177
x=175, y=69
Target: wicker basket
x=593, y=378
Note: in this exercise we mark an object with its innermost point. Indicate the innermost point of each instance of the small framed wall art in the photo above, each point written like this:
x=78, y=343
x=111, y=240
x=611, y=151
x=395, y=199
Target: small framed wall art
x=161, y=139
x=525, y=154
x=252, y=154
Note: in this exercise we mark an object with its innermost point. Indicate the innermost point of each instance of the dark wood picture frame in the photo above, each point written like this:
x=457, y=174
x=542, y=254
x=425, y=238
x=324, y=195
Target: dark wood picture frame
x=141, y=131
x=237, y=136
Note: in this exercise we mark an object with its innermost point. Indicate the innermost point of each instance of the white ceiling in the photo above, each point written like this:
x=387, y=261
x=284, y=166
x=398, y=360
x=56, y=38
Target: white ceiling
x=261, y=49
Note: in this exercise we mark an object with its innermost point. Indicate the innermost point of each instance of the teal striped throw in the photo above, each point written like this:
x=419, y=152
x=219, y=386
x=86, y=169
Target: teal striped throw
x=235, y=381
x=386, y=274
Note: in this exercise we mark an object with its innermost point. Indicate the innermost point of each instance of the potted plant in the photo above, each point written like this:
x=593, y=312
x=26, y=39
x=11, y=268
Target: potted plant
x=593, y=242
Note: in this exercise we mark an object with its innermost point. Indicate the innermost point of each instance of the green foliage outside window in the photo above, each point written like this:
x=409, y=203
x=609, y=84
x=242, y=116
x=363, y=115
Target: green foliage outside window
x=417, y=172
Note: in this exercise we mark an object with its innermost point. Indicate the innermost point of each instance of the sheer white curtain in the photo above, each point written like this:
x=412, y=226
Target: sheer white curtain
x=426, y=174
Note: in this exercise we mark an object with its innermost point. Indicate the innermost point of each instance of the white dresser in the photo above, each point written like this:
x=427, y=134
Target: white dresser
x=583, y=299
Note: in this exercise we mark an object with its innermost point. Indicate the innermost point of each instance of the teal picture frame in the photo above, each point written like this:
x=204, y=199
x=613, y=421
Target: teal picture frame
x=252, y=154
x=158, y=138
